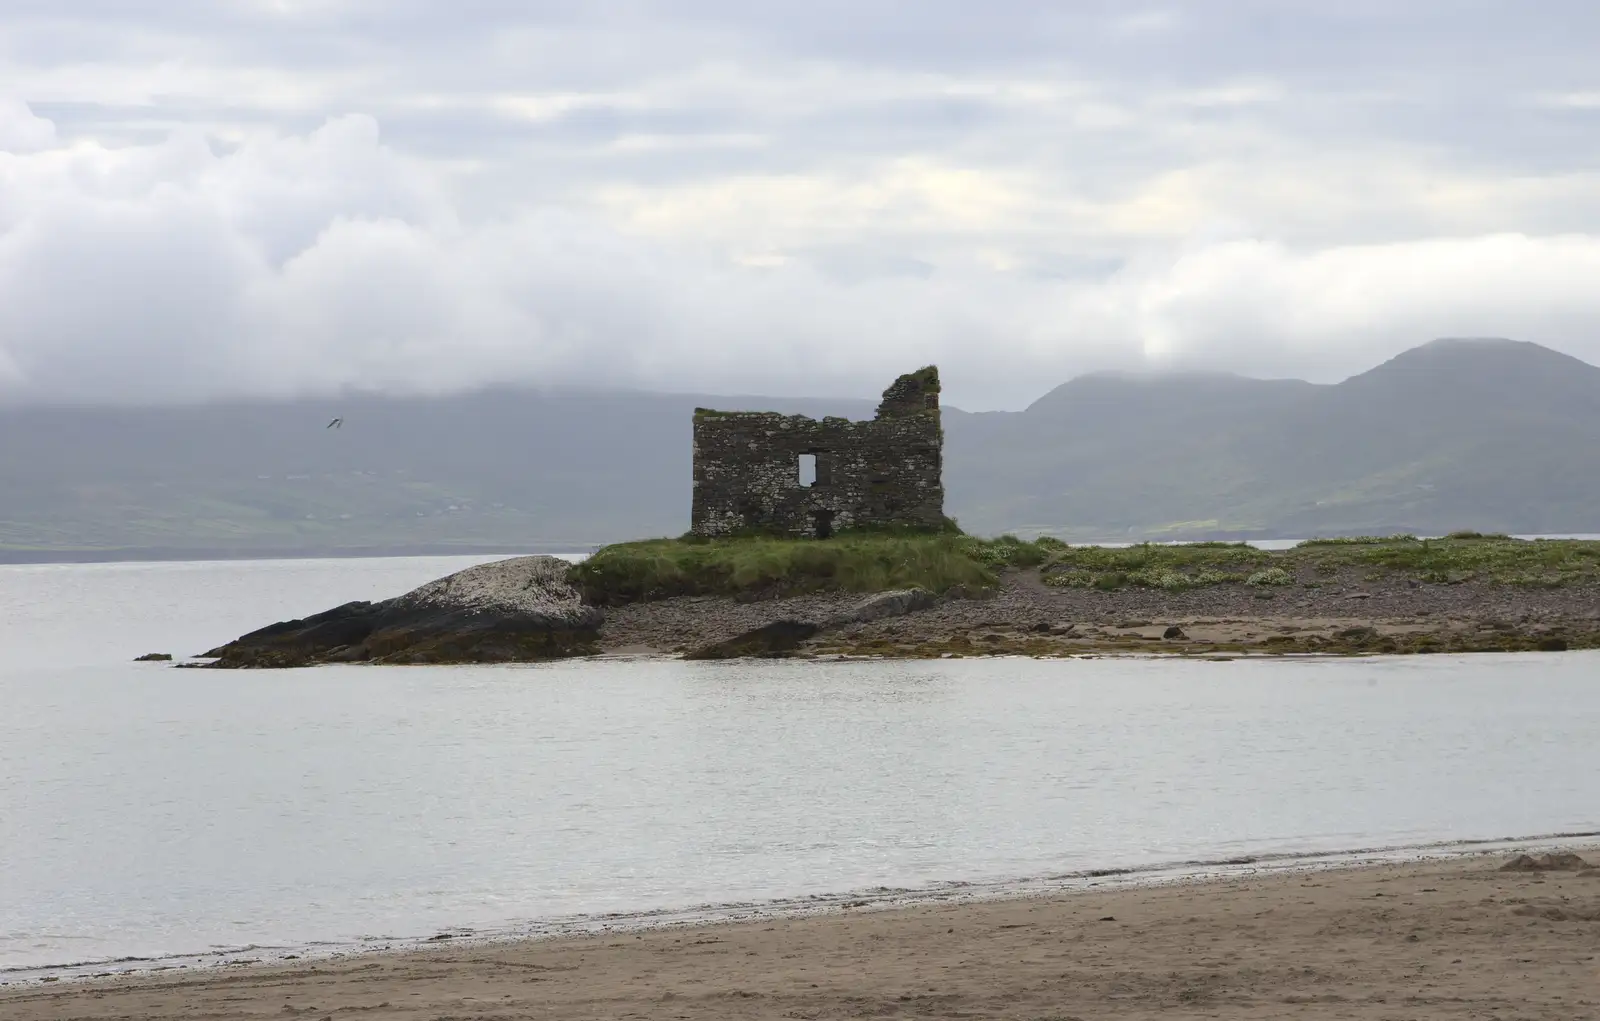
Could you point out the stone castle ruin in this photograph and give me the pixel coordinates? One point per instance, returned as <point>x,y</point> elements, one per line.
<point>763,472</point>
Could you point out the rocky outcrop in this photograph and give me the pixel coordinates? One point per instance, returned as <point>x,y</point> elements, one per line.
<point>897,603</point>
<point>516,610</point>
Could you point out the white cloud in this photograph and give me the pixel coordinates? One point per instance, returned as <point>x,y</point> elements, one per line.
<point>1249,303</point>
<point>1145,23</point>
<point>313,263</point>
<point>780,196</point>
<point>21,131</point>
<point>1572,100</point>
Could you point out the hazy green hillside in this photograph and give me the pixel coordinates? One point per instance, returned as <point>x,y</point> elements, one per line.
<point>1491,435</point>
<point>506,470</point>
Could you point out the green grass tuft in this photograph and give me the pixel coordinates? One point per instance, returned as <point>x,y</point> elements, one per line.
<point>661,568</point>
<point>756,567</point>
<point>1271,576</point>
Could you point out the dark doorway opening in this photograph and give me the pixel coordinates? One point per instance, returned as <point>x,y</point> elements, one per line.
<point>822,523</point>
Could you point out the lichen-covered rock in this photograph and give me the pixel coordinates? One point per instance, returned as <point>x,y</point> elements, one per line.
<point>897,603</point>
<point>533,586</point>
<point>514,610</point>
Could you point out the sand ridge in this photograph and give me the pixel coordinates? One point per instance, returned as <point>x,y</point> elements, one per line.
<point>1456,938</point>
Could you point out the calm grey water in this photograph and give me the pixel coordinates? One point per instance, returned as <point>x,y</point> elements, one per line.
<point>146,810</point>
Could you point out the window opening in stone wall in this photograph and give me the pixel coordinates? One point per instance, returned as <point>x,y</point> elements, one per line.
<point>808,470</point>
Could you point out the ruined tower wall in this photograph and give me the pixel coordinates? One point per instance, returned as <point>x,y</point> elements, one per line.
<point>885,472</point>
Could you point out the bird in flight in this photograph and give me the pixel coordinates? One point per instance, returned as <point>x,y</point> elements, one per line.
<point>335,424</point>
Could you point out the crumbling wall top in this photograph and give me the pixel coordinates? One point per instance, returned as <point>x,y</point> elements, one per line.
<point>911,393</point>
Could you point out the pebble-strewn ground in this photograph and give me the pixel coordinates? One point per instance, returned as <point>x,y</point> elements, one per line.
<point>1349,612</point>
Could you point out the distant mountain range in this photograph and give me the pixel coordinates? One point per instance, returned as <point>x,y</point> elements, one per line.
<point>1485,434</point>
<point>1494,435</point>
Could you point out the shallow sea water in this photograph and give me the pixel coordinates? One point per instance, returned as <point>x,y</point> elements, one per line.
<point>148,811</point>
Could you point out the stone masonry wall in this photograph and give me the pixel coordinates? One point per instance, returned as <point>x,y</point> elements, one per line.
<point>883,472</point>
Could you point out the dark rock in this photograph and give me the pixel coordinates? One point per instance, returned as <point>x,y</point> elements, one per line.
<point>779,638</point>
<point>782,637</point>
<point>1552,644</point>
<point>516,610</point>
<point>153,657</point>
<point>1173,632</point>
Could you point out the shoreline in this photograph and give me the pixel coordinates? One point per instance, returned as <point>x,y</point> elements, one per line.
<point>16,557</point>
<point>947,893</point>
<point>1348,615</point>
<point>946,596</point>
<point>1429,934</point>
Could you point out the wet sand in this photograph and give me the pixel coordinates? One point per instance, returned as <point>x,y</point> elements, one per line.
<point>1446,939</point>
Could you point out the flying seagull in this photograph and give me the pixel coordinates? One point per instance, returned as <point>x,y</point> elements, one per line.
<point>335,424</point>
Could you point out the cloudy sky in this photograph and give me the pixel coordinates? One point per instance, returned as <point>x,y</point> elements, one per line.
<point>208,198</point>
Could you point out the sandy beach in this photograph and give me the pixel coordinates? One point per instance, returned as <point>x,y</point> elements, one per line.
<point>1454,938</point>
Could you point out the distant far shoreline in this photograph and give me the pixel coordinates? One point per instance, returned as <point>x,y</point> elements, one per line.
<point>158,554</point>
<point>171,554</point>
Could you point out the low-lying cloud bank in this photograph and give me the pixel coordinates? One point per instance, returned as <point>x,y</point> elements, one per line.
<point>290,265</point>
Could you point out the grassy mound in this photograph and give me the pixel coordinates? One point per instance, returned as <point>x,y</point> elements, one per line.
<point>1461,557</point>
<point>766,567</point>
<point>760,567</point>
